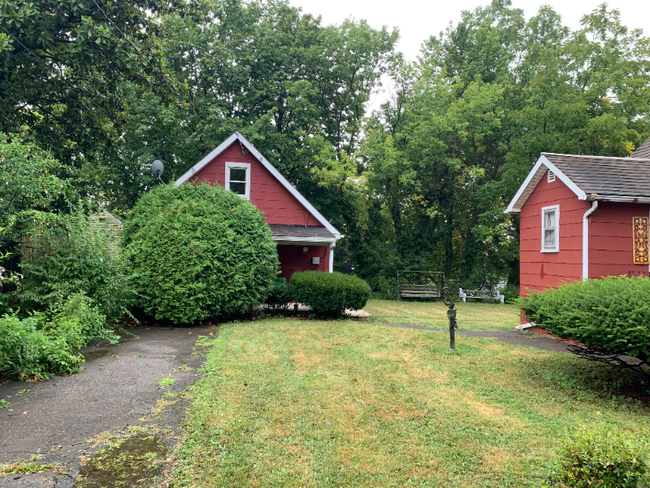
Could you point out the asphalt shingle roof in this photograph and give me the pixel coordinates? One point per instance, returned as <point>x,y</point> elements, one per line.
<point>606,176</point>
<point>643,151</point>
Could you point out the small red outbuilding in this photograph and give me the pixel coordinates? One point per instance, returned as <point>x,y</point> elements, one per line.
<point>305,239</point>
<point>583,217</point>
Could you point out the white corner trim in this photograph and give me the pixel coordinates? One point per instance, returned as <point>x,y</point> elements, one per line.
<point>585,239</point>
<point>295,193</point>
<point>332,246</point>
<point>545,210</point>
<point>247,167</point>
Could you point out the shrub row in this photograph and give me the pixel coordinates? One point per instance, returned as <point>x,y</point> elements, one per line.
<point>328,294</point>
<point>612,313</point>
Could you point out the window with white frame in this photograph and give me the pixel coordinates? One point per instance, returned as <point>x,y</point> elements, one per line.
<point>238,179</point>
<point>551,229</point>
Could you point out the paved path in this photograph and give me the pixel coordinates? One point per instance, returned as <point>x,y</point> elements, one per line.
<point>116,389</point>
<point>516,337</point>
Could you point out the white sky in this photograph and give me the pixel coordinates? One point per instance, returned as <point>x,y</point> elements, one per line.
<point>419,19</point>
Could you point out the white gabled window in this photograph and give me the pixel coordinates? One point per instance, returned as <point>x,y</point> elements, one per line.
<point>551,229</point>
<point>550,176</point>
<point>238,179</point>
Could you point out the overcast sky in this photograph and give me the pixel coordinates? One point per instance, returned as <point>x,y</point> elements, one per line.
<point>419,19</point>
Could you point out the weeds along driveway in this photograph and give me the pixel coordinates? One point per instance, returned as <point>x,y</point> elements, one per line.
<point>117,388</point>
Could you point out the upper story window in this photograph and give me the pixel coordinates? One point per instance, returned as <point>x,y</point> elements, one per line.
<point>550,176</point>
<point>238,179</point>
<point>551,229</point>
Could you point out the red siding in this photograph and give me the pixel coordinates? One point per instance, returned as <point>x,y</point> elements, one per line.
<point>293,259</point>
<point>540,270</point>
<point>610,239</point>
<point>266,193</point>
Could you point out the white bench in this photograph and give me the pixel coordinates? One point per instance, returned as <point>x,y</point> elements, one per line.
<point>481,294</point>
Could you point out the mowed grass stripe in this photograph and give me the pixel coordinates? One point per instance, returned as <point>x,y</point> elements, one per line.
<point>342,403</point>
<point>471,315</point>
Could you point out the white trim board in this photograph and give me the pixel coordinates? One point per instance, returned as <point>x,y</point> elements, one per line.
<point>534,177</point>
<point>236,136</point>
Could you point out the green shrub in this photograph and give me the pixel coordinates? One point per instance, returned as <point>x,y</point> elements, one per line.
<point>278,298</point>
<point>612,313</point>
<point>66,254</point>
<point>595,456</point>
<point>329,294</point>
<point>511,293</point>
<point>383,288</point>
<point>199,252</point>
<point>42,347</point>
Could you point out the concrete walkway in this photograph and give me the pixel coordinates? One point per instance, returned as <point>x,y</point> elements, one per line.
<point>116,389</point>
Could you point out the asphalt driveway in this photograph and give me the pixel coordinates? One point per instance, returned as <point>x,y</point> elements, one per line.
<point>117,389</point>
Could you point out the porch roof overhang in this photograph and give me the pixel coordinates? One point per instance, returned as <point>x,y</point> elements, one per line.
<point>305,235</point>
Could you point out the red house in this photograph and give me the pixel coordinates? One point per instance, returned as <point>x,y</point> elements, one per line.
<point>583,217</point>
<point>304,237</point>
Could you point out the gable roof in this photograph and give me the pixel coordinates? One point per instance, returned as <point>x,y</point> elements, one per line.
<point>643,151</point>
<point>591,178</point>
<point>236,136</point>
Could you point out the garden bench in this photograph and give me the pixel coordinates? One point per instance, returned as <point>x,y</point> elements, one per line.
<point>408,290</point>
<point>482,293</point>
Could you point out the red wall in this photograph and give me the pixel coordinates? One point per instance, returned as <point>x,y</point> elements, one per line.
<point>266,193</point>
<point>293,259</point>
<point>540,270</point>
<point>610,239</point>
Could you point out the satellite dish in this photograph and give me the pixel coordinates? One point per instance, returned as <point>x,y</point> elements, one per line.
<point>157,168</point>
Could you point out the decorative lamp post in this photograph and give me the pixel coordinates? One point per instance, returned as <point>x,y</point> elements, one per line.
<point>451,313</point>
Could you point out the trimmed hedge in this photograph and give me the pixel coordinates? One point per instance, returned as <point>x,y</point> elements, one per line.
<point>199,252</point>
<point>329,294</point>
<point>612,313</point>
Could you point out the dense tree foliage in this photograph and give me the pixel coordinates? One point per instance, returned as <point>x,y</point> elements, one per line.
<point>469,120</point>
<point>107,87</point>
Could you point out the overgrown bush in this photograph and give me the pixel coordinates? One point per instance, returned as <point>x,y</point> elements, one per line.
<point>329,294</point>
<point>199,252</point>
<point>595,456</point>
<point>45,343</point>
<point>612,314</point>
<point>66,254</point>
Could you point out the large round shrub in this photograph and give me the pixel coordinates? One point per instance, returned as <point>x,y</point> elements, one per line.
<point>612,313</point>
<point>199,252</point>
<point>329,294</point>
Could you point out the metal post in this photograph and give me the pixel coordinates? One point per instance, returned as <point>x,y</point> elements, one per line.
<point>451,313</point>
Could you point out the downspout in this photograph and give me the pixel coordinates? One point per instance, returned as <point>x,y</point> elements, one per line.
<point>585,240</point>
<point>332,246</point>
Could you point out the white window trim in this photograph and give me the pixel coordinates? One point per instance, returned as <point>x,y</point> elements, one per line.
<point>546,210</point>
<point>245,166</point>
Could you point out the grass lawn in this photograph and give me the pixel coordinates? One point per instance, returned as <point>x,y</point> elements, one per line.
<point>297,403</point>
<point>470,316</point>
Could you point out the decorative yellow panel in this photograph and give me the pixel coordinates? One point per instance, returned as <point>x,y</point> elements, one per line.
<point>640,233</point>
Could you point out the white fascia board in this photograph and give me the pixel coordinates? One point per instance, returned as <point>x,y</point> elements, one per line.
<point>565,179</point>
<point>318,241</point>
<point>295,193</point>
<point>201,164</point>
<point>515,205</point>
